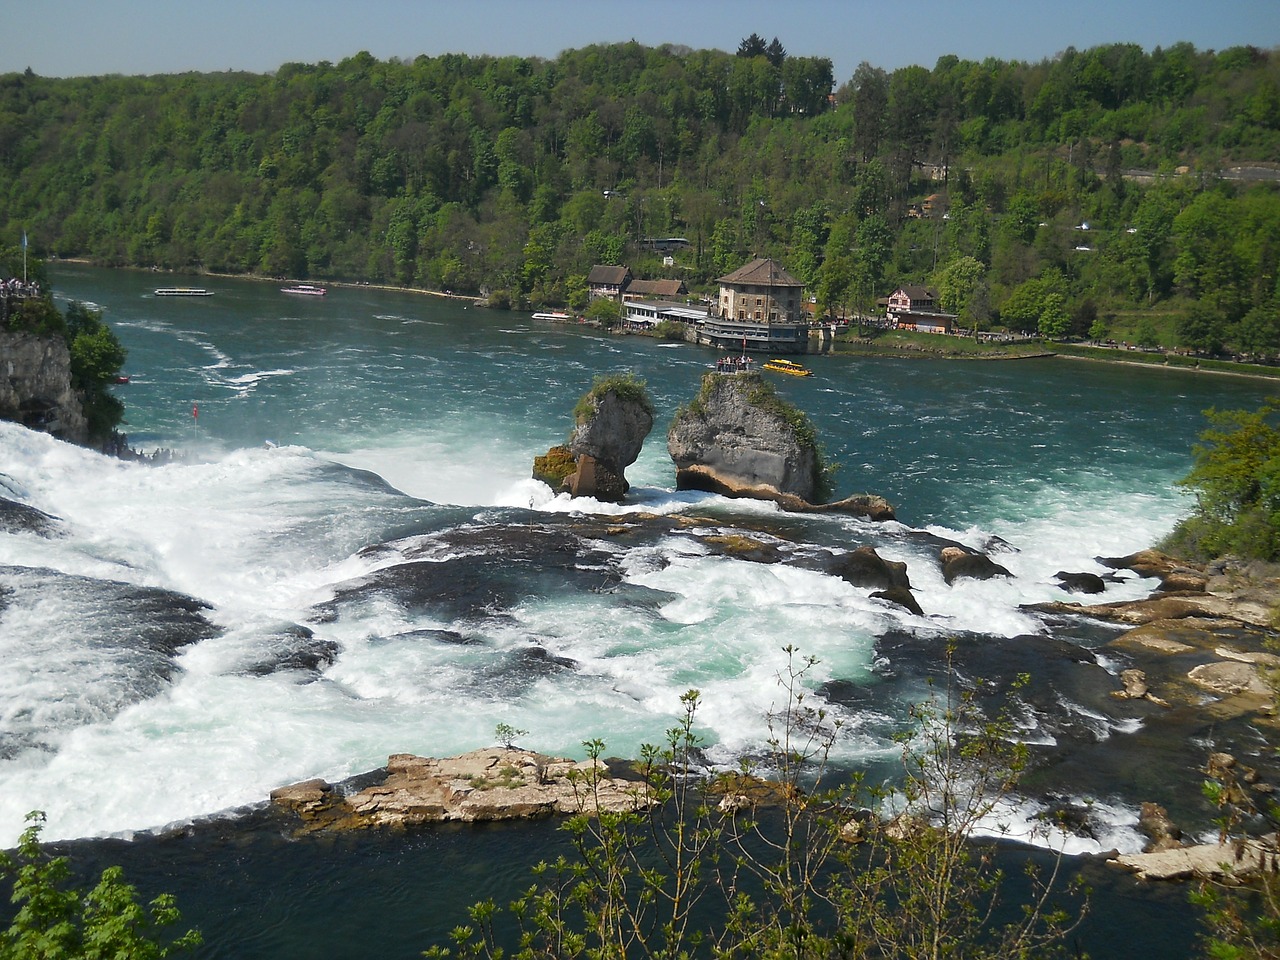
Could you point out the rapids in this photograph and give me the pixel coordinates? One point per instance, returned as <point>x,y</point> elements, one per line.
<point>347,557</point>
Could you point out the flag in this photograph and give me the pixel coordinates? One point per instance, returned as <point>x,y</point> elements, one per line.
<point>24,239</point>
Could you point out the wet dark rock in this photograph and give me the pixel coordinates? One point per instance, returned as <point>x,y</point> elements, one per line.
<point>1071,816</point>
<point>863,567</point>
<point>994,544</point>
<point>1173,574</point>
<point>958,563</point>
<point>742,547</point>
<point>438,636</point>
<point>20,518</point>
<point>902,596</point>
<point>499,567</point>
<point>844,692</point>
<point>293,647</point>
<point>539,658</point>
<point>122,651</point>
<point>1081,582</point>
<point>161,620</point>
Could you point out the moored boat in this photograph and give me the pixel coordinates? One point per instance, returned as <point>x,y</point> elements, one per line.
<point>183,292</point>
<point>787,366</point>
<point>305,289</point>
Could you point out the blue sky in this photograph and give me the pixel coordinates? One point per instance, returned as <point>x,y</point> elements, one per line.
<point>60,38</point>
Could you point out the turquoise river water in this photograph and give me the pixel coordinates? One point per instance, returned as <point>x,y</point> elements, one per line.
<point>198,632</point>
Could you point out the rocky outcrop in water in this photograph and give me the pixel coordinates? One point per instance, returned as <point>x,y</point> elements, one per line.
<point>737,438</point>
<point>35,386</point>
<point>961,564</point>
<point>1080,582</point>
<point>20,517</point>
<point>612,421</point>
<point>495,783</point>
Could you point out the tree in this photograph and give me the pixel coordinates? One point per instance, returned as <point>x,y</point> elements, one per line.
<point>1054,320</point>
<point>1201,329</point>
<point>752,46</point>
<point>870,109</point>
<point>1028,301</point>
<point>96,359</point>
<point>873,247</point>
<point>56,922</point>
<point>775,53</point>
<point>1258,331</point>
<point>957,282</point>
<point>1146,335</point>
<point>604,311</point>
<point>1236,481</point>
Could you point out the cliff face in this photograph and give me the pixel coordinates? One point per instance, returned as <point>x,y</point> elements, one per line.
<point>727,442</point>
<point>35,386</point>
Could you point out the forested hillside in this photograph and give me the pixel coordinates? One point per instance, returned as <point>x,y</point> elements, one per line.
<point>1074,194</point>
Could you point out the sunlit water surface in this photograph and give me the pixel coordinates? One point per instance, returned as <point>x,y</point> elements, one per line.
<point>192,634</point>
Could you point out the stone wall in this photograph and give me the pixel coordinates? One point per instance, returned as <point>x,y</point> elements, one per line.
<point>35,386</point>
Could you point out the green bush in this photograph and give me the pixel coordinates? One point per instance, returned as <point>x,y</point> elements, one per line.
<point>1236,482</point>
<point>627,386</point>
<point>55,922</point>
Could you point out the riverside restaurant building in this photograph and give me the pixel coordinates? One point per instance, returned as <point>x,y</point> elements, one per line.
<point>759,309</point>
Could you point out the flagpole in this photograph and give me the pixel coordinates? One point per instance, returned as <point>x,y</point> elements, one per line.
<point>24,256</point>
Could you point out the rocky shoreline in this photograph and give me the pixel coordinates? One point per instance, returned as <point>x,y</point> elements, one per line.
<point>1201,645</point>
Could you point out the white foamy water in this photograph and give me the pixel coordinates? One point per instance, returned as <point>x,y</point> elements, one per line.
<point>126,708</point>
<point>262,535</point>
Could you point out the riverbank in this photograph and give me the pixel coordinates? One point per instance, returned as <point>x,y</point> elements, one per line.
<point>942,346</point>
<point>887,343</point>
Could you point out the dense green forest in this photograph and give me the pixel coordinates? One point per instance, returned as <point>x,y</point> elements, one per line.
<point>1096,193</point>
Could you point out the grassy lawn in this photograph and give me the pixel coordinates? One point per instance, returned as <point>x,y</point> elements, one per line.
<point>886,343</point>
<point>898,342</point>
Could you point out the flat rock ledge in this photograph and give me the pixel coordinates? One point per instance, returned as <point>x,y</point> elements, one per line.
<point>495,783</point>
<point>1233,861</point>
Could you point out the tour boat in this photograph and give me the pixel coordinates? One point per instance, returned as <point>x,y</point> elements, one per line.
<point>562,317</point>
<point>305,289</point>
<point>787,366</point>
<point>183,292</point>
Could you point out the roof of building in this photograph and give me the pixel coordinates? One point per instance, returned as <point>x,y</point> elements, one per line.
<point>657,288</point>
<point>762,272</point>
<point>608,275</point>
<point>919,292</point>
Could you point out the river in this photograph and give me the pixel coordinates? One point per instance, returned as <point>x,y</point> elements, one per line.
<point>197,632</point>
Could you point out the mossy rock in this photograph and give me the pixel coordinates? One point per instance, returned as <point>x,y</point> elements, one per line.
<point>554,466</point>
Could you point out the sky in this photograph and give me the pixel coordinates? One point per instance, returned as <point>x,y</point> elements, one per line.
<point>62,38</point>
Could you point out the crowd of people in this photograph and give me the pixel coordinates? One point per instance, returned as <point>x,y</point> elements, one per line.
<point>13,287</point>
